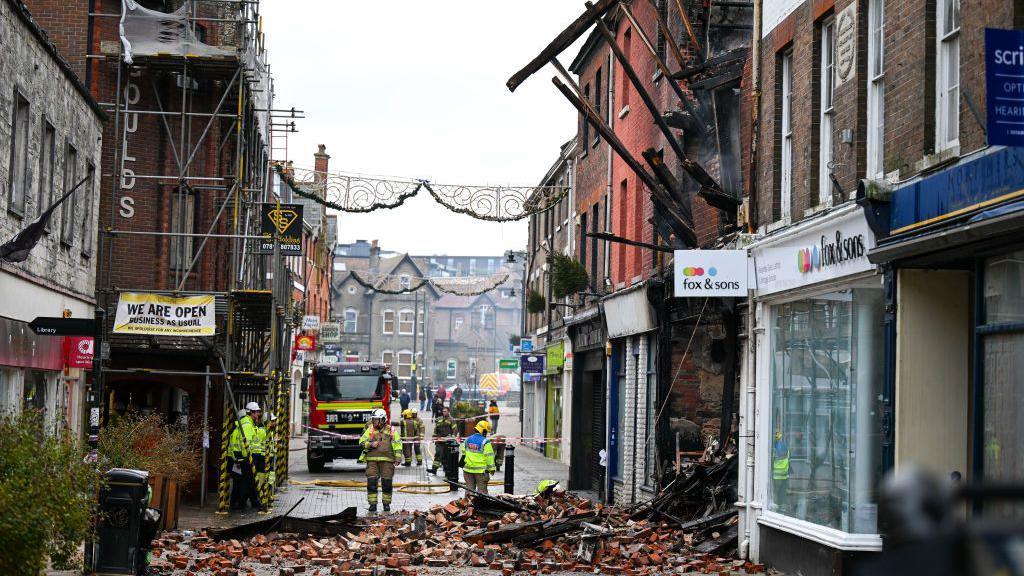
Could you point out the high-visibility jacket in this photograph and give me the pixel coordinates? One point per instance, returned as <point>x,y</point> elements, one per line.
<point>444,427</point>
<point>780,461</point>
<point>259,446</point>
<point>478,453</point>
<point>412,428</point>
<point>375,443</point>
<point>243,437</point>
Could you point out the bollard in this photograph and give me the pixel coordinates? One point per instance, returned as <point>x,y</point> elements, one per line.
<point>510,469</point>
<point>451,466</point>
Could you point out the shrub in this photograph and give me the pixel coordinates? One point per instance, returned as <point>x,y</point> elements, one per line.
<point>465,409</point>
<point>535,303</point>
<point>147,443</point>
<point>47,495</point>
<point>568,276</point>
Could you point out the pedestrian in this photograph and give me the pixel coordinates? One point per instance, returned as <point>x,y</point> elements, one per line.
<point>248,455</point>
<point>412,431</point>
<point>430,399</point>
<point>457,394</point>
<point>382,447</point>
<point>477,459</point>
<point>436,406</point>
<point>444,430</point>
<point>404,399</point>
<point>493,413</point>
<point>421,395</point>
<point>441,393</point>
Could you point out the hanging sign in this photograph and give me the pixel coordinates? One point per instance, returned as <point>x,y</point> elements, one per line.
<point>1004,91</point>
<point>707,273</point>
<point>526,345</point>
<point>531,363</point>
<point>330,333</point>
<point>162,315</point>
<point>285,220</point>
<point>311,322</point>
<point>555,357</point>
<point>78,351</point>
<point>508,364</point>
<point>305,342</point>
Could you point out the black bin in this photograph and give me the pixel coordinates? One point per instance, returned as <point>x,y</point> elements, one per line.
<point>126,526</point>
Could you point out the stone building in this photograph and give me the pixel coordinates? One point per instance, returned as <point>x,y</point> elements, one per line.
<point>51,132</point>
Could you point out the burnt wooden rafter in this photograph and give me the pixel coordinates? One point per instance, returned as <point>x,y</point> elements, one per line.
<point>561,42</point>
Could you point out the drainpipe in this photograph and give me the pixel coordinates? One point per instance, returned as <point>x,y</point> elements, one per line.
<point>608,182</point>
<point>755,118</point>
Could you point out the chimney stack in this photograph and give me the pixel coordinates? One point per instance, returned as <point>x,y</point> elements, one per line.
<point>320,160</point>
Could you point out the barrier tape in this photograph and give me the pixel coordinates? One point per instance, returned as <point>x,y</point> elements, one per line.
<point>507,439</point>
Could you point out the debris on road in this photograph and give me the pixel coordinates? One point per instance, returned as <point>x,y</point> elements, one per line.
<point>510,534</point>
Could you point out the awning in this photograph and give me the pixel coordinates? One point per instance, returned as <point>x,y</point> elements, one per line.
<point>993,227</point>
<point>628,312</point>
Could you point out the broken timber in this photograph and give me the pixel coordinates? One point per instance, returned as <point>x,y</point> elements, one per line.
<point>331,525</point>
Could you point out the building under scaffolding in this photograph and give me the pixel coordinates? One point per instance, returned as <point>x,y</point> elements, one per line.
<point>186,166</point>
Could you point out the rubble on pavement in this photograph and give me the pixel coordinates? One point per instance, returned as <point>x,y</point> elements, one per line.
<point>525,534</point>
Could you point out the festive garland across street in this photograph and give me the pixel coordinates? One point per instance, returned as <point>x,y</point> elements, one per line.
<point>459,286</point>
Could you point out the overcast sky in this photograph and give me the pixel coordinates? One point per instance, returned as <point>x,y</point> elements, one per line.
<point>417,88</point>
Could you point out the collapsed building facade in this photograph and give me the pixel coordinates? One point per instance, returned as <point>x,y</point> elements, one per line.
<point>651,379</point>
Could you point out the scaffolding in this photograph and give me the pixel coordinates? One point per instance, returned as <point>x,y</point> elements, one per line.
<point>208,106</point>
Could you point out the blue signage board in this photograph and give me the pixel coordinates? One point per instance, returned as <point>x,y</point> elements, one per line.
<point>1004,79</point>
<point>526,345</point>
<point>995,175</point>
<point>531,363</point>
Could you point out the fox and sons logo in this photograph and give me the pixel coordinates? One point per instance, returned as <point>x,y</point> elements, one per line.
<point>710,273</point>
<point>829,253</point>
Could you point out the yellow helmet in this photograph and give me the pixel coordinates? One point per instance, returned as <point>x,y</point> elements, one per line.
<point>407,413</point>
<point>483,427</point>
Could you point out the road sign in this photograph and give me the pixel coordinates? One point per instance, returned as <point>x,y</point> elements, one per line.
<point>509,364</point>
<point>54,326</point>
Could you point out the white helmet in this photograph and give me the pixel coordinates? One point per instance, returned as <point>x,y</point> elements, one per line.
<point>252,407</point>
<point>243,412</point>
<point>379,414</point>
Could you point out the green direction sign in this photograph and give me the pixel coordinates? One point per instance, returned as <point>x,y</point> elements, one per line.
<point>509,364</point>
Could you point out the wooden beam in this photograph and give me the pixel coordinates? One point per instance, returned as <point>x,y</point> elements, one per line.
<point>736,54</point>
<point>609,237</point>
<point>561,42</point>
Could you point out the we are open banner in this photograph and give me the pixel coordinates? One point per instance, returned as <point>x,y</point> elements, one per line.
<point>162,315</point>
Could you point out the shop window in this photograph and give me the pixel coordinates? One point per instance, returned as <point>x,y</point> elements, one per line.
<point>825,436</point>
<point>1003,376</point>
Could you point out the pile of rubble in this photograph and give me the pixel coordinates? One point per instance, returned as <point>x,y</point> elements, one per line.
<point>559,532</point>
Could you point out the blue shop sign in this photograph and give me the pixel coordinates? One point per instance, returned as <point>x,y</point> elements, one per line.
<point>531,363</point>
<point>995,176</point>
<point>1004,79</point>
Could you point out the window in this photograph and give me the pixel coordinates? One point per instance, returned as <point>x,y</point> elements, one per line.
<point>183,211</point>
<point>47,165</point>
<point>88,217</point>
<point>1003,378</point>
<point>405,364</point>
<point>620,422</point>
<point>826,414</point>
<point>451,370</point>
<point>472,266</point>
<point>826,84</point>
<point>876,89</point>
<point>388,321</point>
<point>947,75</point>
<point>404,282</point>
<point>387,357</point>
<point>586,134</point>
<point>598,101</point>
<point>18,182</point>
<point>67,209</point>
<point>458,323</point>
<point>405,326</point>
<point>484,309</point>
<point>583,237</point>
<point>627,49</point>
<point>351,321</point>
<point>419,320</point>
<point>786,132</point>
<point>595,212</point>
<point>662,8</point>
<point>492,265</point>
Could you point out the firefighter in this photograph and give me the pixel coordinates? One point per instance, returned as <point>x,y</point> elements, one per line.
<point>382,447</point>
<point>412,431</point>
<point>444,428</point>
<point>245,442</point>
<point>477,458</point>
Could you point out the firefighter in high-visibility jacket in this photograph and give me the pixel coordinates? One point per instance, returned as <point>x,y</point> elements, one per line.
<point>382,447</point>
<point>246,441</point>
<point>412,434</point>
<point>780,470</point>
<point>477,458</point>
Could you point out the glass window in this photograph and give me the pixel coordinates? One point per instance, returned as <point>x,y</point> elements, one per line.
<point>405,364</point>
<point>827,55</point>
<point>388,323</point>
<point>404,282</point>
<point>458,322</point>
<point>47,164</point>
<point>18,172</point>
<point>826,437</point>
<point>88,217</point>
<point>387,357</point>
<point>331,388</point>
<point>876,89</point>
<point>947,74</point>
<point>351,321</point>
<point>405,322</point>
<point>1004,288</point>
<point>451,369</point>
<point>786,179</point>
<point>183,211</point>
<point>67,209</point>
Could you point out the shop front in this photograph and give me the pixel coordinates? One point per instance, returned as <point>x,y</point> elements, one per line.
<point>956,253</point>
<point>589,428</point>
<point>554,367</point>
<point>818,371</point>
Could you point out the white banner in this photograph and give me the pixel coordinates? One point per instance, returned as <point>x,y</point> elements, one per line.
<point>162,315</point>
<point>704,273</point>
<point>311,322</point>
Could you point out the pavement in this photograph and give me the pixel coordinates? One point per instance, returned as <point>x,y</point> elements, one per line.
<point>415,487</point>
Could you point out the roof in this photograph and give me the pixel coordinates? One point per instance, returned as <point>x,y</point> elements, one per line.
<point>23,13</point>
